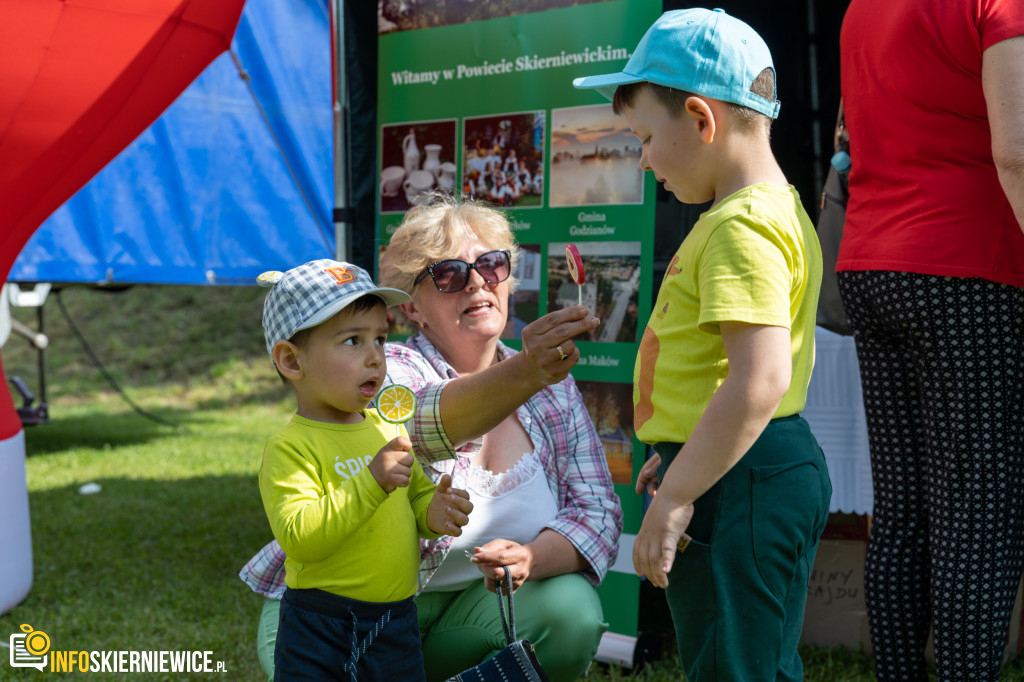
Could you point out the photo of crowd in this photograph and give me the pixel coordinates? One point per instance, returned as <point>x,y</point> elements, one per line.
<point>504,159</point>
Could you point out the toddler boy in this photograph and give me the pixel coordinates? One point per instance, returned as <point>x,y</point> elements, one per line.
<point>346,500</point>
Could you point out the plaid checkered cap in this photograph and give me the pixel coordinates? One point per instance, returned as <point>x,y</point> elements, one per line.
<point>312,293</point>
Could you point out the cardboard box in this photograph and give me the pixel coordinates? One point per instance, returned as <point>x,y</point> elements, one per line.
<point>836,613</point>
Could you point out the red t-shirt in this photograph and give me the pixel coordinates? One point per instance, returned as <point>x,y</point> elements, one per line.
<point>924,193</point>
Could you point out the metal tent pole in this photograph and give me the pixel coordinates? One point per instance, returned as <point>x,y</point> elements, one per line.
<point>812,61</point>
<point>342,188</point>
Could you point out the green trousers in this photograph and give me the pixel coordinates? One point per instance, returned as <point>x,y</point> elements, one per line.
<point>561,616</point>
<point>737,593</point>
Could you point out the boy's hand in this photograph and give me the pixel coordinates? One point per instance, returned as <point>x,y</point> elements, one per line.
<point>654,550</point>
<point>392,465</point>
<point>647,479</point>
<point>449,508</point>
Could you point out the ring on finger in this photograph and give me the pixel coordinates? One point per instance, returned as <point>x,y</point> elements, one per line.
<point>561,353</point>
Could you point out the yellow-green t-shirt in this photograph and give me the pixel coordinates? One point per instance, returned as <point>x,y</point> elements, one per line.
<point>754,257</point>
<point>339,530</point>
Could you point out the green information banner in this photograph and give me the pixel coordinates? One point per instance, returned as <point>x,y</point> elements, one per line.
<point>485,107</point>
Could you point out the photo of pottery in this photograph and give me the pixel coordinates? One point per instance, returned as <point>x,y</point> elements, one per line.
<point>503,159</point>
<point>610,406</point>
<point>595,159</point>
<point>611,288</point>
<point>416,159</point>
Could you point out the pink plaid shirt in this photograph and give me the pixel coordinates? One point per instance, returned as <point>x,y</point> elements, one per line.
<point>566,442</point>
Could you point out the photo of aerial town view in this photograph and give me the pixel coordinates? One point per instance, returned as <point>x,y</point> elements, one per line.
<point>594,158</point>
<point>524,303</point>
<point>610,406</point>
<point>610,288</point>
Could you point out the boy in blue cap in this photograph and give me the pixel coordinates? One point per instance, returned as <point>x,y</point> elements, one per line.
<point>345,497</point>
<point>726,358</point>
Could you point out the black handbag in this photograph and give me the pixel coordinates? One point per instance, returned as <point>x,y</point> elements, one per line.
<point>831,314</point>
<point>517,662</point>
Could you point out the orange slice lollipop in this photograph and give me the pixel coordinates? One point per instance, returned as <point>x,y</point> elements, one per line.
<point>396,403</point>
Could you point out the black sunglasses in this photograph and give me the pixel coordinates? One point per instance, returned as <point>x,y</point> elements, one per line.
<point>452,275</point>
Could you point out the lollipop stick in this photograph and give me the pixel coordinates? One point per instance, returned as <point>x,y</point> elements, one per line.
<point>579,289</point>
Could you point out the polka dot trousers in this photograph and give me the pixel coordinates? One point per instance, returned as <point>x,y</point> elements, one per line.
<point>942,368</point>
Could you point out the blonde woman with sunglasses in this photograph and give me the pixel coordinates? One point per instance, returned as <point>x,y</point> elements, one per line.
<point>511,428</point>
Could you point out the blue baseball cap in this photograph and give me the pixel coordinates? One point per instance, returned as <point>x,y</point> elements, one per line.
<point>312,293</point>
<point>706,52</point>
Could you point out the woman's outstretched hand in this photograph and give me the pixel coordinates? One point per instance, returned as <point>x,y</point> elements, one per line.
<point>548,351</point>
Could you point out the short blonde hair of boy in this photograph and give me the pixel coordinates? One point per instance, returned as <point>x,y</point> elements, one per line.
<point>438,230</point>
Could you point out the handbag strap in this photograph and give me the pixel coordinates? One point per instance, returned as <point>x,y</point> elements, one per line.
<point>841,137</point>
<point>509,624</point>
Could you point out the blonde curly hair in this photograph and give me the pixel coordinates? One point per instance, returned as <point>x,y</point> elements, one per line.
<point>437,230</point>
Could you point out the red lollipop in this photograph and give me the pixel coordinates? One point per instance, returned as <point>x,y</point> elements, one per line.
<point>575,262</point>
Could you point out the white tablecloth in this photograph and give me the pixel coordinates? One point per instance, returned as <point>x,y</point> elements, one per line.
<point>835,412</point>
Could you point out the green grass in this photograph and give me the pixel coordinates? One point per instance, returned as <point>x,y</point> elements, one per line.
<point>151,561</point>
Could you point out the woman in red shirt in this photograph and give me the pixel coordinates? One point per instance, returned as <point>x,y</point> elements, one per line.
<point>931,269</point>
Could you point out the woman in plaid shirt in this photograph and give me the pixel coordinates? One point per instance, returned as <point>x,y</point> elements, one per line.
<point>512,429</point>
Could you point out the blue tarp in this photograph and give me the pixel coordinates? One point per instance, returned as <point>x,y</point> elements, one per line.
<point>207,194</point>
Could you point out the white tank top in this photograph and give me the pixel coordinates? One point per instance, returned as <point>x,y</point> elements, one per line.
<point>515,505</point>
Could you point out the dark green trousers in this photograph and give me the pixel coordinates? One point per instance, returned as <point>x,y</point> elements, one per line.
<point>737,593</point>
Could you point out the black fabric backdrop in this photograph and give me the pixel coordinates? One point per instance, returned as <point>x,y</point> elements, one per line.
<point>802,34</point>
